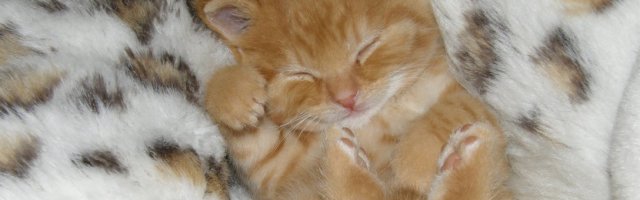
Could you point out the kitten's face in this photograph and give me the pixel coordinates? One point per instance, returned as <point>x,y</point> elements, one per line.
<point>328,61</point>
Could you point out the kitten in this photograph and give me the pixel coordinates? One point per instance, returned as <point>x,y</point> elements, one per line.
<point>373,66</point>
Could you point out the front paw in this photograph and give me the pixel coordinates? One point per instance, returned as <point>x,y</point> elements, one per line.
<point>236,97</point>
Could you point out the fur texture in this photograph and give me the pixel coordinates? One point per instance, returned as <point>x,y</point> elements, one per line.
<point>556,78</point>
<point>625,147</point>
<point>358,64</point>
<point>99,100</point>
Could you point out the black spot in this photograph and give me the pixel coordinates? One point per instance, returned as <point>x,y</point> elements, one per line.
<point>234,175</point>
<point>191,84</point>
<point>217,169</point>
<point>162,149</point>
<point>153,72</point>
<point>52,6</point>
<point>140,15</point>
<point>531,122</point>
<point>101,159</point>
<point>20,159</point>
<point>194,16</point>
<point>96,95</point>
<point>217,173</point>
<point>560,57</point>
<point>477,59</point>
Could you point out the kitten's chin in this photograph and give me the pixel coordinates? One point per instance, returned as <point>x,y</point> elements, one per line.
<point>358,119</point>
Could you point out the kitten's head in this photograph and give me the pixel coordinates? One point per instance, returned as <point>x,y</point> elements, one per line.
<point>327,61</point>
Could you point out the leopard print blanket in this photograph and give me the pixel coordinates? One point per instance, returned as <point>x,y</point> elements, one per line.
<point>99,99</point>
<point>563,77</point>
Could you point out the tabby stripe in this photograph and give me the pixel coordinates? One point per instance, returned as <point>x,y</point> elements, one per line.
<point>291,166</point>
<point>269,156</point>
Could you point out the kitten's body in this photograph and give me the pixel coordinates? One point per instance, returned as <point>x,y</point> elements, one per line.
<point>375,67</point>
<point>402,143</point>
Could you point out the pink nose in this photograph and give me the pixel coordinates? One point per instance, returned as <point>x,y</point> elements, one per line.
<point>347,101</point>
<point>343,90</point>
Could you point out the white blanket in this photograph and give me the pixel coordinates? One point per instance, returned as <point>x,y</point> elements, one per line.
<point>562,76</point>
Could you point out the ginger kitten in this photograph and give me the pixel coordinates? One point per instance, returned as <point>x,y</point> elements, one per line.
<point>373,66</point>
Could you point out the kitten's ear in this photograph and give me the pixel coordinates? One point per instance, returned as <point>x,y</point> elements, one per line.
<point>229,18</point>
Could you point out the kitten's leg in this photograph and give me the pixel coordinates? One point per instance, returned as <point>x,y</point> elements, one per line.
<point>347,172</point>
<point>235,97</point>
<point>472,166</point>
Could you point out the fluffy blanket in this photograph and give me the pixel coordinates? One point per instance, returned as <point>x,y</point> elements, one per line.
<point>94,94</point>
<point>99,99</point>
<point>563,77</point>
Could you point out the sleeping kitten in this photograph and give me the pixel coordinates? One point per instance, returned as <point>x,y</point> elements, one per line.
<point>373,66</point>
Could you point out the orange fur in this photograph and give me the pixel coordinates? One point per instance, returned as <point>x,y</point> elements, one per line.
<point>374,66</point>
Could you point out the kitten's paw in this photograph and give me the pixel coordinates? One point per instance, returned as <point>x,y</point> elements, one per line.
<point>236,98</point>
<point>472,165</point>
<point>350,147</point>
<point>244,109</point>
<point>463,145</point>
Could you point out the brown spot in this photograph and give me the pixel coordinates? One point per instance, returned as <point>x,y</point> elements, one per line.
<point>25,89</point>
<point>138,14</point>
<point>168,72</point>
<point>477,58</point>
<point>52,6</point>
<point>16,154</point>
<point>96,95</point>
<point>560,60</point>
<point>217,175</point>
<point>101,159</point>
<point>179,162</point>
<point>10,45</point>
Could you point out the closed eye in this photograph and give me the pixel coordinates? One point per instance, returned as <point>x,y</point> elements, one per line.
<point>366,50</point>
<point>300,76</point>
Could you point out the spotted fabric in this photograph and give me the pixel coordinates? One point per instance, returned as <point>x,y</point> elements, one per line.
<point>559,74</point>
<point>100,99</point>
